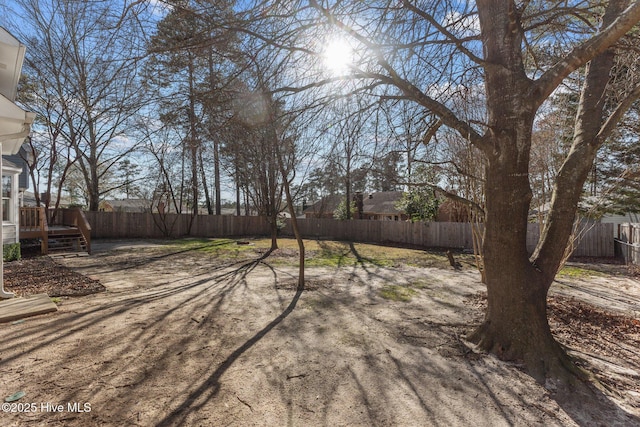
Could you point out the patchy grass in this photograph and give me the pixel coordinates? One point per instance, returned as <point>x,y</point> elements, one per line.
<point>397,293</point>
<point>340,254</point>
<point>322,253</point>
<point>220,248</point>
<point>329,253</point>
<point>420,284</point>
<point>343,254</point>
<point>404,292</point>
<point>578,272</point>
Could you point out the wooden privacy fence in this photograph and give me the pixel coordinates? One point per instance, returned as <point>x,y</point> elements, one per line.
<point>627,245</point>
<point>121,225</point>
<point>428,234</point>
<point>596,239</point>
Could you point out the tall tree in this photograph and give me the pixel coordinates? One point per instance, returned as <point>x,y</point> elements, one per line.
<point>615,177</point>
<point>352,147</point>
<point>424,53</point>
<point>192,65</point>
<point>260,161</point>
<point>385,175</point>
<point>84,59</point>
<point>161,145</point>
<point>128,174</point>
<point>321,182</point>
<point>176,67</point>
<point>51,154</point>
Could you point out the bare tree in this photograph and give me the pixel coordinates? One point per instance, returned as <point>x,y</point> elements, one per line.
<point>353,144</point>
<point>261,168</point>
<point>51,156</point>
<point>422,53</point>
<point>166,171</point>
<point>84,59</point>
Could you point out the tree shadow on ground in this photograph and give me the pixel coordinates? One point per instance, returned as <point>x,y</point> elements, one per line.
<point>83,320</point>
<point>142,260</point>
<point>380,364</point>
<point>129,340</point>
<point>587,406</point>
<point>211,386</point>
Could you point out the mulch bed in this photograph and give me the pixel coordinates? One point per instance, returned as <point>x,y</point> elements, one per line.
<point>587,329</point>
<point>43,275</point>
<point>611,337</point>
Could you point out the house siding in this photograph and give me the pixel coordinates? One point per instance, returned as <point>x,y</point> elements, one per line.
<point>23,177</point>
<point>9,234</point>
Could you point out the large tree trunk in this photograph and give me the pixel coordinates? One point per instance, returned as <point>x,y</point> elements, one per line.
<point>216,145</point>
<point>273,223</point>
<point>194,179</point>
<point>515,327</point>
<point>238,196</point>
<point>94,186</point>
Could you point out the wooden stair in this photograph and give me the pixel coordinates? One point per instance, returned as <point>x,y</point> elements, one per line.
<point>70,232</point>
<point>67,241</point>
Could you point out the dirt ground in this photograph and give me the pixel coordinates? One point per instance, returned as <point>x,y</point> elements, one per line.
<point>184,337</point>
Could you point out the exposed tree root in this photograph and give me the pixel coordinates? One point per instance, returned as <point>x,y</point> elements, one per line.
<point>547,362</point>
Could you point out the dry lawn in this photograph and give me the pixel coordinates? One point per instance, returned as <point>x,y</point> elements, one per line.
<point>198,333</point>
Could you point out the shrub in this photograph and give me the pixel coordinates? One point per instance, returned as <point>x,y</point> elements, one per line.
<point>11,252</point>
<point>341,211</point>
<point>419,204</point>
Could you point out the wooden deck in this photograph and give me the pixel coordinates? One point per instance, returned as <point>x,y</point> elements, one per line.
<point>69,230</point>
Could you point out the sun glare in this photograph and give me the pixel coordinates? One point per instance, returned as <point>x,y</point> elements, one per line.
<point>337,56</point>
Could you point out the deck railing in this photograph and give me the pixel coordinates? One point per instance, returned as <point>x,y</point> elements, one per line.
<point>73,217</point>
<point>32,219</point>
<point>84,227</point>
<point>34,224</point>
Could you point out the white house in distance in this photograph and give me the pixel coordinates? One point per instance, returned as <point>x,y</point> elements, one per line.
<point>15,125</point>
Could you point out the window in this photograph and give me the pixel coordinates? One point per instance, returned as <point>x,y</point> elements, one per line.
<point>6,198</point>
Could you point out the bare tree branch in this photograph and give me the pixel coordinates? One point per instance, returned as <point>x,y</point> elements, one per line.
<point>583,53</point>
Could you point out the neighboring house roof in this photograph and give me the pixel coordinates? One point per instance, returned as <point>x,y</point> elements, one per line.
<point>128,205</point>
<point>223,211</point>
<point>29,199</point>
<point>325,206</point>
<point>227,211</point>
<point>382,202</point>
